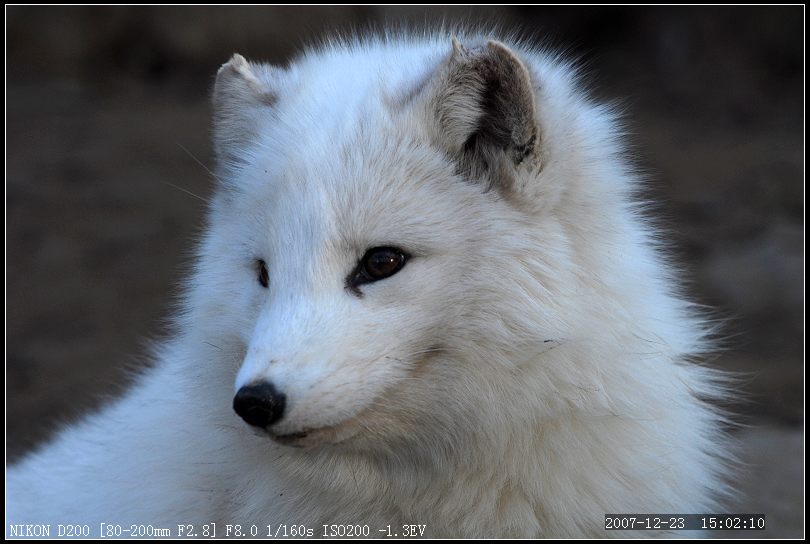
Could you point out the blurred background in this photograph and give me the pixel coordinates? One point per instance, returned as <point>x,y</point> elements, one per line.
<point>107,110</point>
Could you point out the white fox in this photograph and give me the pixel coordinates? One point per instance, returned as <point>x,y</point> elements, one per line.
<point>425,295</point>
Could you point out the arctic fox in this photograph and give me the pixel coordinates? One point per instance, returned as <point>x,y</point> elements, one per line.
<point>426,296</point>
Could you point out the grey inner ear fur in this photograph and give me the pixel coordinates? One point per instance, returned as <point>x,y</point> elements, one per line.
<point>242,95</point>
<point>487,100</point>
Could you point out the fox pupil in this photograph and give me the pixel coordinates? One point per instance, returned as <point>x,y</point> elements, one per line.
<point>383,262</point>
<point>378,263</point>
<point>263,276</point>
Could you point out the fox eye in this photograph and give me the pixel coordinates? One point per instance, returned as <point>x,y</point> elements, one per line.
<point>263,277</point>
<point>378,263</point>
<point>381,262</point>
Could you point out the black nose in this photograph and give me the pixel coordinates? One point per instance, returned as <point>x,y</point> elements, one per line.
<point>259,404</point>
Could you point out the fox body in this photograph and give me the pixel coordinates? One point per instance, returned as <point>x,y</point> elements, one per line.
<point>427,282</point>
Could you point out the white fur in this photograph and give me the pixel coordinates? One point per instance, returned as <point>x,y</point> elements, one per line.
<point>528,371</point>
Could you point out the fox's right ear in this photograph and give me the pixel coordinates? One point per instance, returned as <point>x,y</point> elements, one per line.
<point>243,97</point>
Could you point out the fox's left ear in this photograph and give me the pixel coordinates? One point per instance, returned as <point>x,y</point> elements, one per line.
<point>243,96</point>
<point>484,110</point>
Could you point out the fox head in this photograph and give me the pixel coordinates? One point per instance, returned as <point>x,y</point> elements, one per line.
<point>387,257</point>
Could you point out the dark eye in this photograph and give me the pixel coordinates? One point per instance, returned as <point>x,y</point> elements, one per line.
<point>378,263</point>
<point>263,277</point>
<point>381,262</point>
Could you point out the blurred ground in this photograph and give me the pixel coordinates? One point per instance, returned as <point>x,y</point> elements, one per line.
<point>106,107</point>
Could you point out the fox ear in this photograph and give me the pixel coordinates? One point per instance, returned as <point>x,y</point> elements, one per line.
<point>242,97</point>
<point>485,108</point>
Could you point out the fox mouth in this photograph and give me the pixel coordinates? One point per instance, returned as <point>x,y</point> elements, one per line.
<point>343,431</point>
<point>307,438</point>
<point>292,439</point>
<point>328,435</point>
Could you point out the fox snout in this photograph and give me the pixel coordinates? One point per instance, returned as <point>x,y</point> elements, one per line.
<point>259,404</point>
